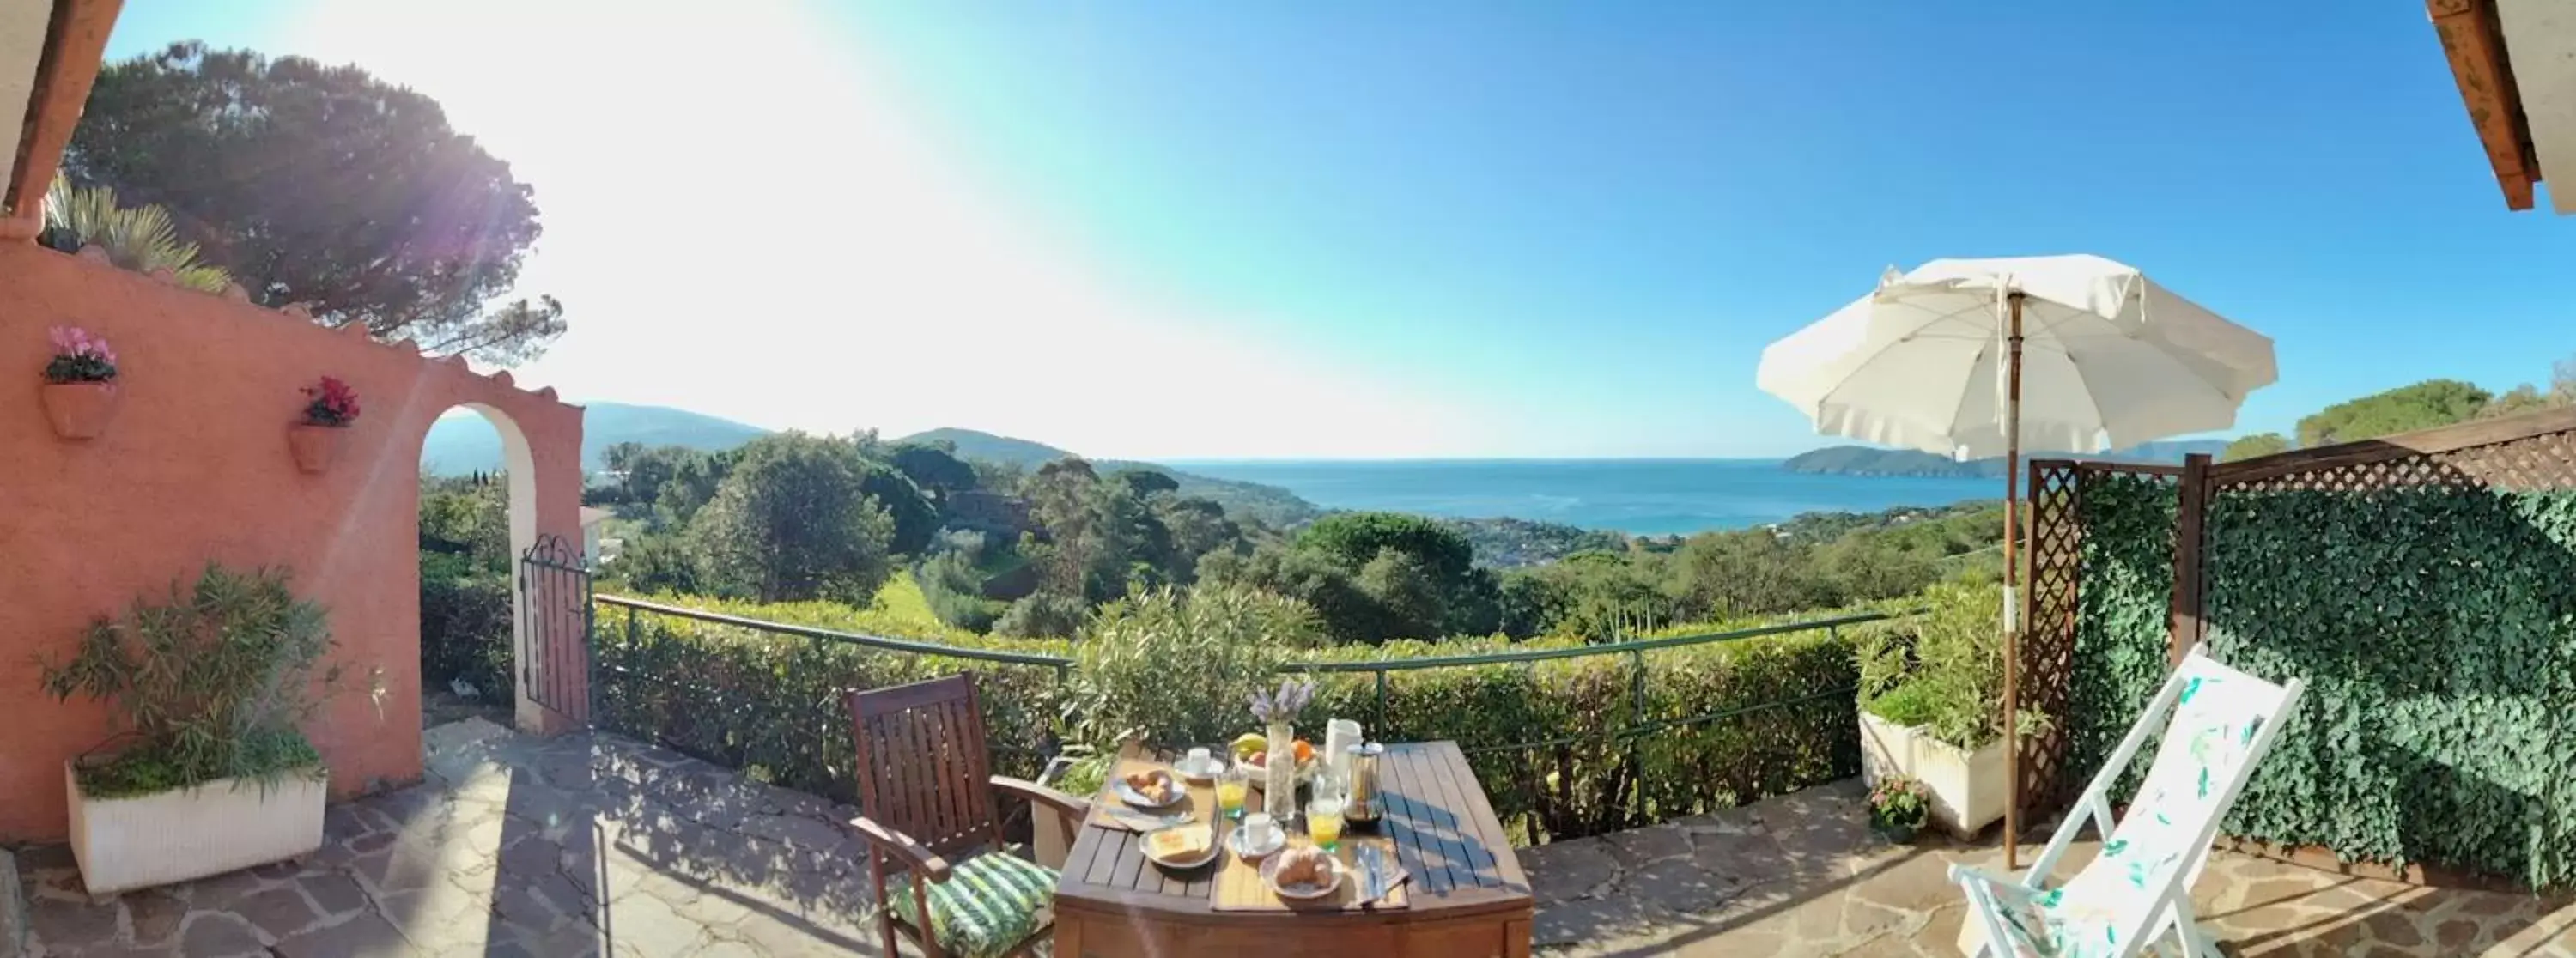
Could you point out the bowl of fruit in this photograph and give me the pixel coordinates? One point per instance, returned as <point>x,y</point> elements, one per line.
<point>1253,752</point>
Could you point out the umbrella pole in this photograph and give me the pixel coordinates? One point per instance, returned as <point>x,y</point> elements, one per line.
<point>2012,566</point>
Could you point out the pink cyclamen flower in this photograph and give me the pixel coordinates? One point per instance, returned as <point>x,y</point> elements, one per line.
<point>75,341</point>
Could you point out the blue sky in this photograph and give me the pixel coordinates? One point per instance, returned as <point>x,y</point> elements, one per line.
<point>1435,228</point>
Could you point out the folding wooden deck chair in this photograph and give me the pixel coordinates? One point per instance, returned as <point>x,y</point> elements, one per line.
<point>2135,898</point>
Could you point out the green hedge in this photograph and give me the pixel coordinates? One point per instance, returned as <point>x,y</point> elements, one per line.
<point>465,626</point>
<point>773,704</point>
<point>2436,630</point>
<point>2123,619</point>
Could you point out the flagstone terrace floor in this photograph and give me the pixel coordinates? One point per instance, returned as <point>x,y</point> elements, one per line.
<point>593,844</point>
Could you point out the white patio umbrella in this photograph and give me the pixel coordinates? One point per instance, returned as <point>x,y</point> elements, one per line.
<point>1974,358</point>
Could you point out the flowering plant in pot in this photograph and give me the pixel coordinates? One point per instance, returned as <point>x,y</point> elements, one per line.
<point>330,408</point>
<point>210,686</point>
<point>1897,807</point>
<point>79,395</point>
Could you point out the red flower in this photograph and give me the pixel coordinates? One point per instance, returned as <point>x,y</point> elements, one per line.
<point>330,403</point>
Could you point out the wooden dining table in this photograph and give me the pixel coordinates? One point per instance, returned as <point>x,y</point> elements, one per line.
<point>1467,896</point>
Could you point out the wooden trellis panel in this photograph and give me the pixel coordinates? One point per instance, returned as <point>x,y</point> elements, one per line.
<point>2520,453</point>
<point>2047,647</point>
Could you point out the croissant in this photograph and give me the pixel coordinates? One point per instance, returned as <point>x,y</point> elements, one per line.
<point>1305,866</point>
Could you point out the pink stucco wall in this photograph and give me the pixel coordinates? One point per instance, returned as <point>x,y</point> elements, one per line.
<point>196,469</point>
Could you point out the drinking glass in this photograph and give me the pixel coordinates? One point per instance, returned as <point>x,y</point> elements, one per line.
<point>1324,821</point>
<point>1231,785</point>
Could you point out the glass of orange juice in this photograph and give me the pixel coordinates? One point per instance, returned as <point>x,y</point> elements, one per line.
<point>1231,785</point>
<point>1324,821</point>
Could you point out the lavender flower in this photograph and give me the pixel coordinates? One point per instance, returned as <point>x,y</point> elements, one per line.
<point>1282,706</point>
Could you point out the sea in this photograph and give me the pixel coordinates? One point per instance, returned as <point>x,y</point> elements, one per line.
<point>1637,496</point>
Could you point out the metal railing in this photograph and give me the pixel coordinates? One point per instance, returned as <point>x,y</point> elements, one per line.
<point>1628,734</point>
<point>1635,649</point>
<point>1061,664</point>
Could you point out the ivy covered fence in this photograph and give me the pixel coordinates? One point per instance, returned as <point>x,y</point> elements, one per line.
<point>2424,586</point>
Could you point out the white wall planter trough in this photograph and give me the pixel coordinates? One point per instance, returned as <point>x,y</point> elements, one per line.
<point>174,836</point>
<point>1967,787</point>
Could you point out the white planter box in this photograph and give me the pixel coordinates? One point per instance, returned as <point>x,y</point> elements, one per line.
<point>174,836</point>
<point>1967,787</point>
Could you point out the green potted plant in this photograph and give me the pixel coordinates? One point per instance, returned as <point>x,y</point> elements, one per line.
<point>330,408</point>
<point>1897,807</point>
<point>79,395</point>
<point>1931,705</point>
<point>212,772</point>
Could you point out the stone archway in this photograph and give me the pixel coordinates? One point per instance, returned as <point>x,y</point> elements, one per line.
<point>549,622</point>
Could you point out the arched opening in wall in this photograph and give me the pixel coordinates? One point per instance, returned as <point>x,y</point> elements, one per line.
<point>477,519</point>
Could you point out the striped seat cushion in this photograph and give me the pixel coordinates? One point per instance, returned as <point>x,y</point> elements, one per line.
<point>989,903</point>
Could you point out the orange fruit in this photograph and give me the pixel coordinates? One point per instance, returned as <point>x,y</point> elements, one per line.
<point>1305,752</point>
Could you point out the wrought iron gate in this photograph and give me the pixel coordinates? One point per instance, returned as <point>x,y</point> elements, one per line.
<point>554,603</point>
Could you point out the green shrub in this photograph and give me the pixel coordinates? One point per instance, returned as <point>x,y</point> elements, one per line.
<point>1728,722</point>
<point>1943,669</point>
<point>465,627</point>
<point>1178,668</point>
<point>210,685</point>
<point>1043,614</point>
<point>752,699</point>
<point>954,591</point>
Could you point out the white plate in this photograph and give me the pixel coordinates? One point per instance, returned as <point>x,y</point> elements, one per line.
<point>1181,863</point>
<point>1270,869</point>
<point>1128,793</point>
<point>1235,840</point>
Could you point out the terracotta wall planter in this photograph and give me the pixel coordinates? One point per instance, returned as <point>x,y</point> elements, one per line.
<point>80,410</point>
<point>315,447</point>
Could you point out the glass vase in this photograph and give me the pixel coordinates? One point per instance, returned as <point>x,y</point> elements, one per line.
<point>1279,777</point>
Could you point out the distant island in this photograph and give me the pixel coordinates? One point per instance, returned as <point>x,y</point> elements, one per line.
<point>1869,461</point>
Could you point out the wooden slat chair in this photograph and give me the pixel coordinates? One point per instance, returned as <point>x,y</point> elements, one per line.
<point>930,814</point>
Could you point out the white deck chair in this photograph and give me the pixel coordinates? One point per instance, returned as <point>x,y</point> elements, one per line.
<point>2135,898</point>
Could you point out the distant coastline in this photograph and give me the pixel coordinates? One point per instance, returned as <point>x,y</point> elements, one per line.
<point>1867,461</point>
<point>1638,497</point>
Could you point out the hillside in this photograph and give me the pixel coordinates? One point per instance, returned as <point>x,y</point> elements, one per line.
<point>1507,543</point>
<point>464,443</point>
<point>1868,461</point>
<point>1270,505</point>
<point>972,444</point>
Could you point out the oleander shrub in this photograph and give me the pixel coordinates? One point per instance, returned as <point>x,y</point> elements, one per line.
<point>1943,669</point>
<point>1178,667</point>
<point>213,680</point>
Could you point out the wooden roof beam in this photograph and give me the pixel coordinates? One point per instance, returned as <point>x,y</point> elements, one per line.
<point>74,45</point>
<point>2473,40</point>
